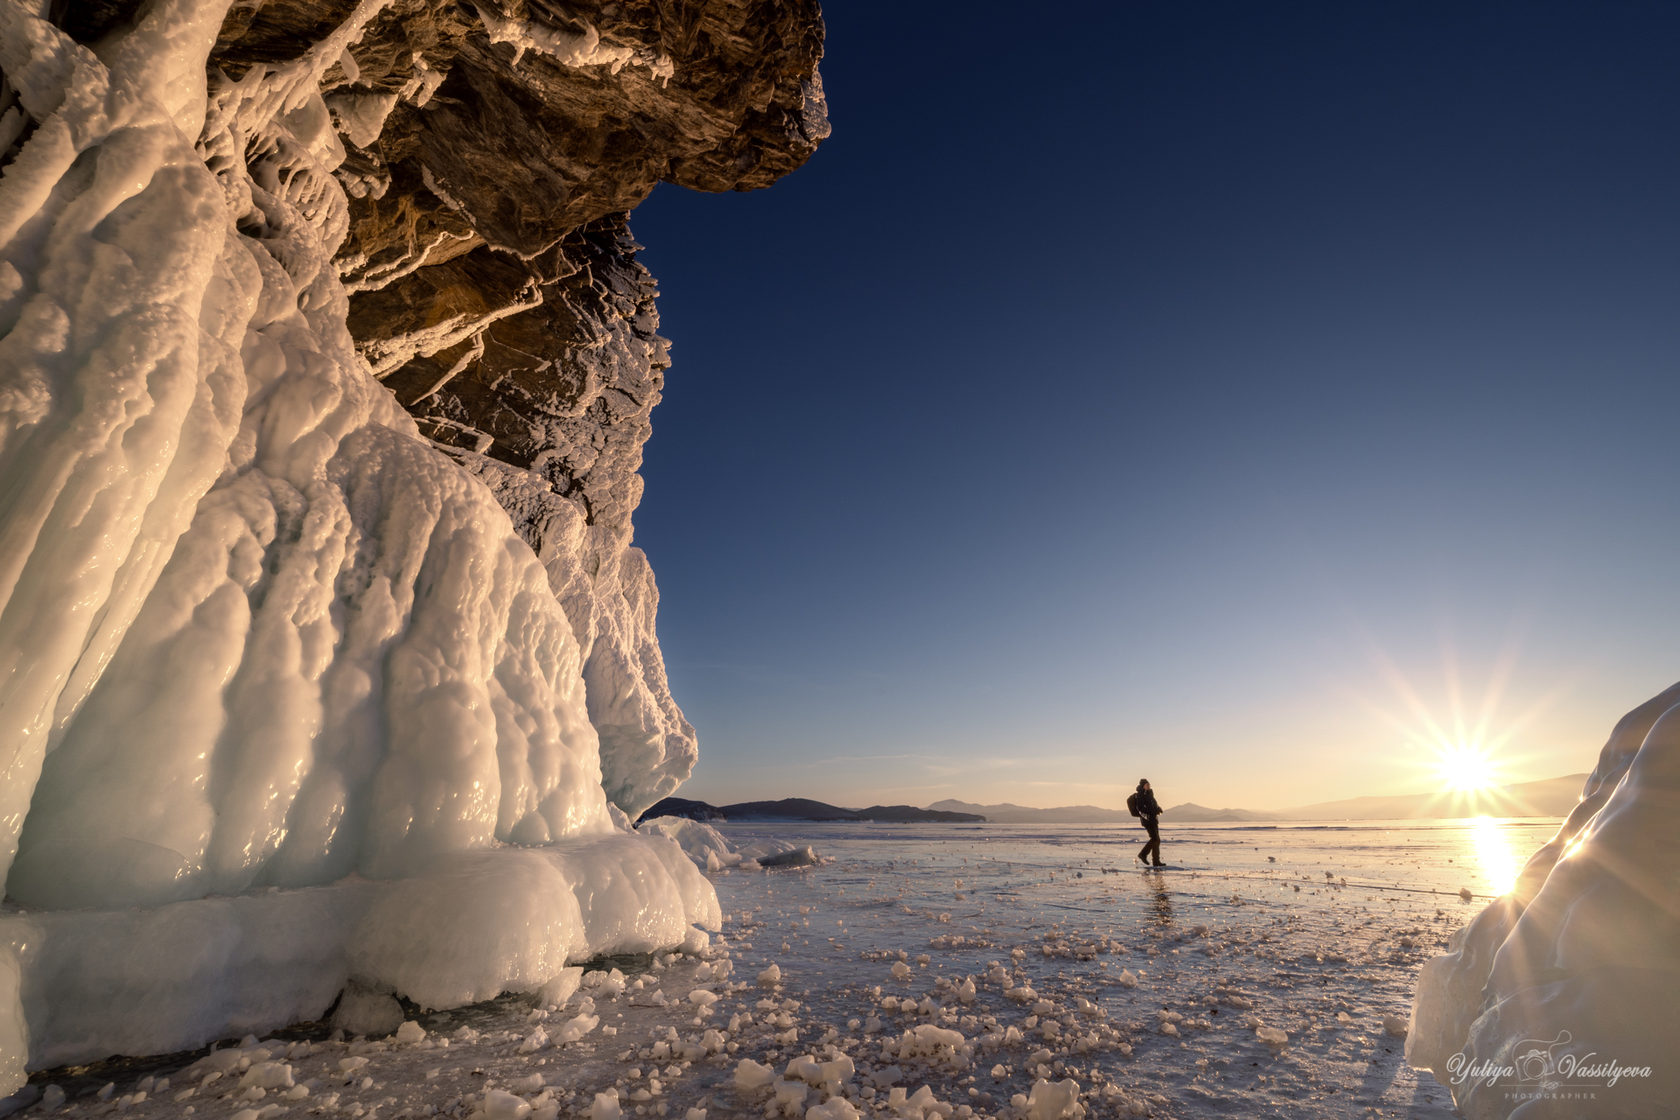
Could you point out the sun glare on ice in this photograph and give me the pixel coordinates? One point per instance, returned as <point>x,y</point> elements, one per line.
<point>1491,847</point>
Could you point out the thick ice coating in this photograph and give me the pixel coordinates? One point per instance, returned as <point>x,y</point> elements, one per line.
<point>256,631</point>
<point>1566,986</point>
<point>272,636</point>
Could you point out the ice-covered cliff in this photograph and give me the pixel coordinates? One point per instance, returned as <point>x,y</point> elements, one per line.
<point>325,368</point>
<point>1562,998</point>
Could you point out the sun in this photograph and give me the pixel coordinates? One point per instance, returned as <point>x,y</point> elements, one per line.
<point>1467,767</point>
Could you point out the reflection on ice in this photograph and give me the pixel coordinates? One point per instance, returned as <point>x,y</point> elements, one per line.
<point>1498,858</point>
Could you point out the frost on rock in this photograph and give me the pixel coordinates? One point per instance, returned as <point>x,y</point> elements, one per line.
<point>1567,984</point>
<point>292,701</point>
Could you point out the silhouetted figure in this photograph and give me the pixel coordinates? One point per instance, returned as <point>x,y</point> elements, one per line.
<point>1148,811</point>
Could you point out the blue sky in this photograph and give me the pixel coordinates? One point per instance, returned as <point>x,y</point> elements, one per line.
<point>1242,396</point>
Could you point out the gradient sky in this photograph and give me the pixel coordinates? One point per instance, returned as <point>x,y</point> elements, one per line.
<point>1242,396</point>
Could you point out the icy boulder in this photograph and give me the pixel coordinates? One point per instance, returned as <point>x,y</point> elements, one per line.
<point>1560,999</point>
<point>702,843</point>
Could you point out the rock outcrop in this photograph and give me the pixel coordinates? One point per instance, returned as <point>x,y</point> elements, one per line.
<point>325,368</point>
<point>490,152</point>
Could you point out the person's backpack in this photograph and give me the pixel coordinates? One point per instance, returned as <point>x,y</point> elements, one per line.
<point>1132,805</point>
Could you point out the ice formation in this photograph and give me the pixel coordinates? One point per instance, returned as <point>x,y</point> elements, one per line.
<point>710,851</point>
<point>1566,985</point>
<point>293,705</point>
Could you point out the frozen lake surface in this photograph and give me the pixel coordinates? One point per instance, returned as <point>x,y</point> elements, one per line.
<point>1290,927</point>
<point>1268,972</point>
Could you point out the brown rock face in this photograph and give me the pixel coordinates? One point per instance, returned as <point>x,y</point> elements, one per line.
<point>511,129</point>
<point>485,140</point>
<point>491,151</point>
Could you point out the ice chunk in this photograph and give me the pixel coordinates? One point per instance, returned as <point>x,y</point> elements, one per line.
<point>1053,1101</point>
<point>704,844</point>
<point>790,1095</point>
<point>562,987</point>
<point>575,1028</point>
<point>920,1104</point>
<point>934,1044</point>
<point>502,1105</point>
<point>835,1108</point>
<point>750,1075</point>
<point>366,1011</point>
<point>805,1068</point>
<point>778,853</point>
<point>838,1070</point>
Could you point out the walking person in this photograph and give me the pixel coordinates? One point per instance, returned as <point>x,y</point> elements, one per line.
<point>1144,806</point>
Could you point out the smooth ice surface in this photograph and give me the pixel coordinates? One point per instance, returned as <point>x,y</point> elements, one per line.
<point>1559,998</point>
<point>254,631</point>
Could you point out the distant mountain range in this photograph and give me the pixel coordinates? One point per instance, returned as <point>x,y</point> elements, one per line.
<point>1551,797</point>
<point>801,809</point>
<point>1008,813</point>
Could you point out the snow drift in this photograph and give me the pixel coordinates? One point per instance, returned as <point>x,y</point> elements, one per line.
<point>1559,999</point>
<point>290,702</point>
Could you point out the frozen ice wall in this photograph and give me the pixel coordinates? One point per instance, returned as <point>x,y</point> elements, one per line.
<point>263,635</point>
<point>1563,997</point>
<point>290,701</point>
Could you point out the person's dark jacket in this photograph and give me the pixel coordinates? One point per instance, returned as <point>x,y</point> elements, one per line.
<point>1148,807</point>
